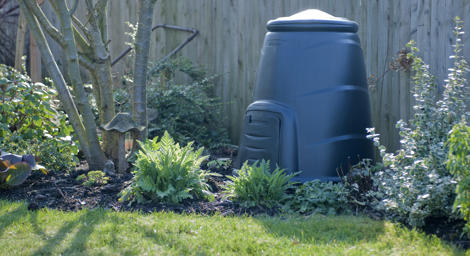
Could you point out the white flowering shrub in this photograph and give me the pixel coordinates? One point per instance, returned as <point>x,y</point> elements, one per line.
<point>415,184</point>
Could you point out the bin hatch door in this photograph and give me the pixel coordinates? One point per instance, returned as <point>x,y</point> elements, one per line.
<point>260,137</point>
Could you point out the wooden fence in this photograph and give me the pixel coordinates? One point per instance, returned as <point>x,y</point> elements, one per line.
<point>232,32</point>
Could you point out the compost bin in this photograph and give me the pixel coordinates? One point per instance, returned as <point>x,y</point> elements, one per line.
<point>311,102</point>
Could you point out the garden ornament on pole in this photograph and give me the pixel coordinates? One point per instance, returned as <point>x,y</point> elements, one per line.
<point>120,125</point>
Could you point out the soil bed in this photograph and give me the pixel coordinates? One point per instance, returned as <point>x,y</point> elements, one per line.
<point>60,190</point>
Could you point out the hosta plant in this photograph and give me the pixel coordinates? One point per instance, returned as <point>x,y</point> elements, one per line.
<point>256,184</point>
<point>415,183</point>
<point>459,165</point>
<point>166,172</point>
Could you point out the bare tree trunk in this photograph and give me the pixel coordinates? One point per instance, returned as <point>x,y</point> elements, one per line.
<point>105,83</point>
<point>102,69</point>
<point>142,46</point>
<point>97,94</point>
<point>59,82</point>
<point>20,41</point>
<point>34,61</point>
<point>86,44</point>
<point>81,97</point>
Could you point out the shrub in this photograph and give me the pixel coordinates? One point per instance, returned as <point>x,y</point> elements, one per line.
<point>256,184</point>
<point>188,111</point>
<point>415,182</point>
<point>359,182</point>
<point>93,178</point>
<point>220,164</point>
<point>31,122</point>
<point>316,197</point>
<point>459,165</point>
<point>166,172</point>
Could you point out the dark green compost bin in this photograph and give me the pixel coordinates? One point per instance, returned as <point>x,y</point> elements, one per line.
<point>311,103</point>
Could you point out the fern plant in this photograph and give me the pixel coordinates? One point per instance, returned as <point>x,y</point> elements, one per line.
<point>256,185</point>
<point>166,172</point>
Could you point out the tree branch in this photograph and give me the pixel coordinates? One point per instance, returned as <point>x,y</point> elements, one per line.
<point>86,51</point>
<point>194,32</point>
<point>81,98</point>
<point>59,82</point>
<point>85,62</point>
<point>44,21</point>
<point>74,8</point>
<point>97,43</point>
<point>82,27</point>
<point>82,44</point>
<point>103,20</point>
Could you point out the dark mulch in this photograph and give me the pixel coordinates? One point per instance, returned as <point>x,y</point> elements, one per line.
<point>60,190</point>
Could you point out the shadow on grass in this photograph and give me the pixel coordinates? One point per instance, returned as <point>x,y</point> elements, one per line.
<point>11,217</point>
<point>324,229</point>
<point>86,224</point>
<point>160,238</point>
<point>33,218</point>
<point>349,230</point>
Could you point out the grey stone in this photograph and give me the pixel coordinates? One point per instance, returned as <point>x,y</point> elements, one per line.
<point>109,168</point>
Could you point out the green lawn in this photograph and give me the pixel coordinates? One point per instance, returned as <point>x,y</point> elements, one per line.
<point>103,232</point>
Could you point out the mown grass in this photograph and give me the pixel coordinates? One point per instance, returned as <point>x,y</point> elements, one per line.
<point>103,232</point>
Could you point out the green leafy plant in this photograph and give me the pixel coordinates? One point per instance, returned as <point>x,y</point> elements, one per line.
<point>459,165</point>
<point>31,121</point>
<point>415,183</point>
<point>187,110</point>
<point>166,172</point>
<point>93,178</point>
<point>359,182</point>
<point>224,164</point>
<point>13,174</point>
<point>256,185</point>
<point>317,197</point>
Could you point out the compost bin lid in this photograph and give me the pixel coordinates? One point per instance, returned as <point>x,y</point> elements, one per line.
<point>312,20</point>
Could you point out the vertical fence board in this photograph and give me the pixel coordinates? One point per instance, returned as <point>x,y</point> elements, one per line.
<point>404,83</point>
